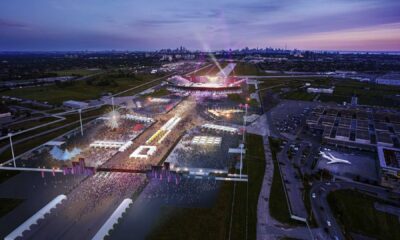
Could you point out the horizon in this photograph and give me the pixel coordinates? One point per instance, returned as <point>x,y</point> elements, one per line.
<point>202,51</point>
<point>321,25</point>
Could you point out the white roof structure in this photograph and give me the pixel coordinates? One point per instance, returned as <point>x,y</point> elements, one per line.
<point>103,118</point>
<point>160,100</point>
<point>206,140</point>
<point>125,146</point>
<point>107,144</point>
<point>55,143</point>
<point>320,90</point>
<point>138,153</point>
<point>237,150</point>
<point>137,118</point>
<point>165,129</point>
<point>33,220</point>
<point>251,118</point>
<point>76,104</point>
<point>171,123</point>
<point>220,128</point>
<point>113,219</point>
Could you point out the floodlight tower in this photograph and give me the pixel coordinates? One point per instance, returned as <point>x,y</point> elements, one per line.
<point>12,149</point>
<point>112,102</point>
<point>80,119</point>
<point>243,139</point>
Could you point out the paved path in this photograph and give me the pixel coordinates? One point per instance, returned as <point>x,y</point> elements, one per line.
<point>267,226</point>
<point>293,185</point>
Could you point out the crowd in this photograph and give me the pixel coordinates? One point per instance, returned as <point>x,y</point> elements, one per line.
<point>184,192</point>
<point>102,185</point>
<point>204,156</point>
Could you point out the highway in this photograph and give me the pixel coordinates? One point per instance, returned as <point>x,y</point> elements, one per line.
<point>321,209</point>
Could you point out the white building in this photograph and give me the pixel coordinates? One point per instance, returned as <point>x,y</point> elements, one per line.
<point>320,90</point>
<point>389,79</point>
<point>75,104</point>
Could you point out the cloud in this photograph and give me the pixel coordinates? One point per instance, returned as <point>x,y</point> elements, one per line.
<point>383,37</point>
<point>4,23</point>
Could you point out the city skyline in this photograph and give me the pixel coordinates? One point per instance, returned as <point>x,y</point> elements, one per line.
<point>124,25</point>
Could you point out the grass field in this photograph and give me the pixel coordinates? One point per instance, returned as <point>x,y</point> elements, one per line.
<point>356,213</point>
<point>8,204</point>
<point>246,69</point>
<point>277,202</point>
<point>77,72</point>
<point>79,90</point>
<point>213,223</point>
<point>299,95</point>
<point>207,70</point>
<point>25,146</point>
<point>30,124</point>
<point>367,93</point>
<point>158,93</point>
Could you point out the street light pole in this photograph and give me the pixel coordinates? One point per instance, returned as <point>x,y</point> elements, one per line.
<point>80,119</point>
<point>243,140</point>
<point>12,149</point>
<point>112,103</point>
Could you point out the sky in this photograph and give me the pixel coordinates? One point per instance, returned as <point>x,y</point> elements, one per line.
<point>353,25</point>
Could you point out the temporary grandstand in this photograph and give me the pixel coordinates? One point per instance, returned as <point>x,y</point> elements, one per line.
<point>137,118</point>
<point>220,128</point>
<point>106,144</point>
<point>206,140</point>
<point>143,152</point>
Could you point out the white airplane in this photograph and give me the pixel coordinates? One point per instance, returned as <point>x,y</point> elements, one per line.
<point>333,159</point>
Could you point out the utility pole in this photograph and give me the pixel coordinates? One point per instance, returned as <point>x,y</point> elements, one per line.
<point>243,140</point>
<point>12,149</point>
<point>80,119</point>
<point>112,102</point>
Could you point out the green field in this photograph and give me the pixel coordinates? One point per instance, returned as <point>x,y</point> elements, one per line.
<point>367,93</point>
<point>80,90</point>
<point>356,213</point>
<point>211,70</point>
<point>206,70</point>
<point>277,202</point>
<point>76,72</point>
<point>214,223</point>
<point>32,123</point>
<point>299,95</point>
<point>158,93</point>
<point>247,69</point>
<point>27,145</point>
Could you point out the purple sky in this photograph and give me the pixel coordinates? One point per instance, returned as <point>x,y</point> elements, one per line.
<point>206,24</point>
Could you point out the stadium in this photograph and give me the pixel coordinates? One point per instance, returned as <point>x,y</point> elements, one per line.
<point>221,83</point>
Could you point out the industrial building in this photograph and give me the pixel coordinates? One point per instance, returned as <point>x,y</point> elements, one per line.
<point>362,128</point>
<point>389,163</point>
<point>389,79</point>
<point>75,104</point>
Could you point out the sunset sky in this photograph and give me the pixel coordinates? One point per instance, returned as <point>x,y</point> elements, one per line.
<point>206,25</point>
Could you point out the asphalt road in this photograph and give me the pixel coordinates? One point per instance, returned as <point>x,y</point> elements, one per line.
<point>321,209</point>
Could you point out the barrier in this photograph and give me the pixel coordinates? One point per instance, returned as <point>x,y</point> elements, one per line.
<point>113,219</point>
<point>18,232</point>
